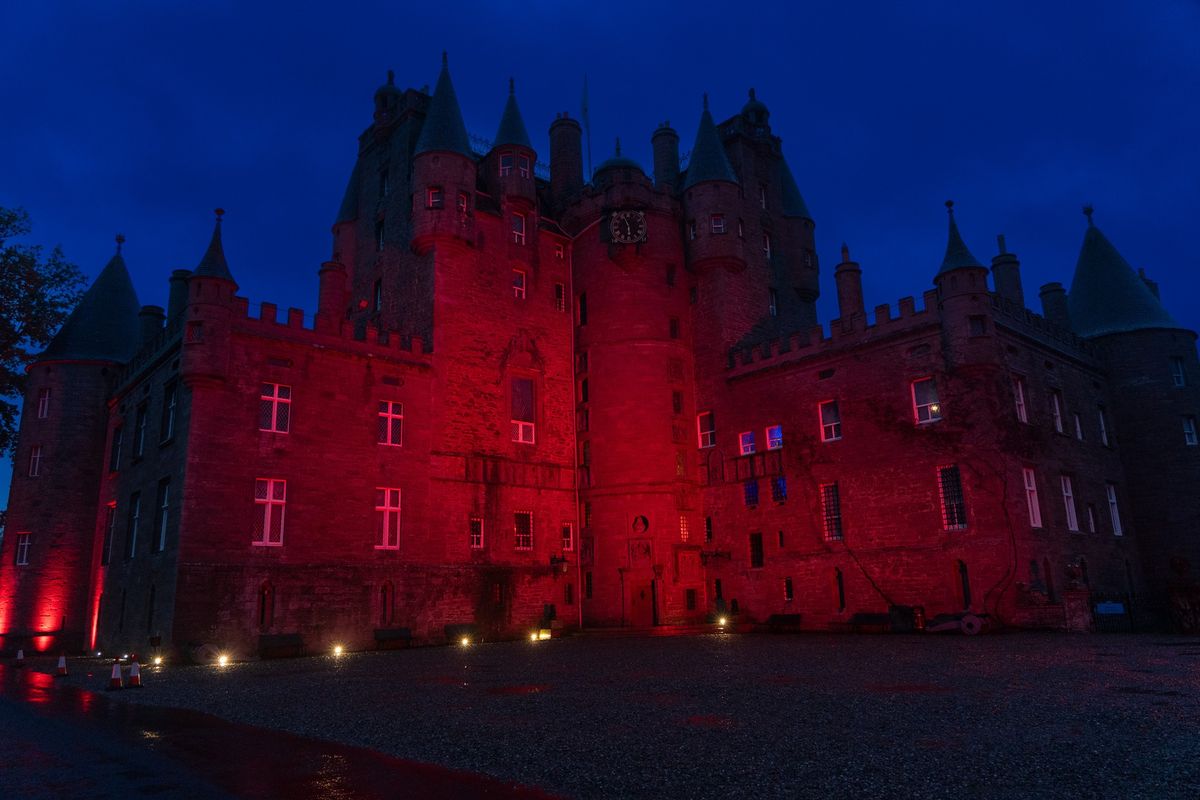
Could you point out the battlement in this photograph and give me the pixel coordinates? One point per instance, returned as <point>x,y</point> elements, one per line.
<point>1028,323</point>
<point>842,333</point>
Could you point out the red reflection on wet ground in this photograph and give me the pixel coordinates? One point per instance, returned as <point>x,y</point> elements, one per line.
<point>247,761</point>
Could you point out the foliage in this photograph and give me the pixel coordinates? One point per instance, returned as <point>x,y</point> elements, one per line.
<point>37,291</point>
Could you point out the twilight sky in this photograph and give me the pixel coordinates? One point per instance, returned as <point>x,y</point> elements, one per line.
<point>141,117</point>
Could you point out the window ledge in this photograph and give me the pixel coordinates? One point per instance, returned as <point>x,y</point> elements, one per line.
<point>257,543</point>
<point>387,547</point>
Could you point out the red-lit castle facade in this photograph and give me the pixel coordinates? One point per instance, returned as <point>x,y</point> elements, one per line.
<point>557,403</point>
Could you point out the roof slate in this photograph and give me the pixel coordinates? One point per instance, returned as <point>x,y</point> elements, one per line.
<point>104,326</point>
<point>957,255</point>
<point>444,130</point>
<point>512,127</point>
<point>708,161</point>
<point>213,265</point>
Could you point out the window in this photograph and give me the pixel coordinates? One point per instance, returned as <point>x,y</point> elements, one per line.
<point>1078,426</point>
<point>385,184</point>
<point>35,461</point>
<point>1189,431</point>
<point>762,196</point>
<point>1056,410</point>
<point>676,402</point>
<point>22,550</point>
<point>708,529</point>
<point>964,582</point>
<point>390,427</point>
<point>379,236</point>
<point>568,536</point>
<point>706,429</point>
<point>1068,494</point>
<point>691,229</point>
<point>1178,376</point>
<point>161,511</point>
<point>926,407</point>
<point>954,503</point>
<point>1091,518</point>
<point>139,431</point>
<point>1103,426</point>
<point>788,594</point>
<point>750,493</point>
<point>741,230</point>
<point>43,408</point>
<point>518,228</point>
<point>132,524</point>
<point>977,325</point>
<point>583,308</point>
<point>773,302</point>
<point>463,204</point>
<point>756,551</point>
<point>1031,498</point>
<point>522,410</point>
<point>1113,511</point>
<point>560,251</point>
<point>746,442</point>
<point>170,400</point>
<point>718,223</point>
<point>434,197</point>
<point>523,530</point>
<point>377,296</point>
<point>766,244</point>
<point>560,297</point>
<point>274,408</point>
<point>110,533</point>
<point>779,488</point>
<point>839,583</point>
<point>1018,386</point>
<point>270,497</point>
<point>587,513</point>
<point>584,393</point>
<point>585,453</point>
<point>831,512</point>
<point>518,284</point>
<point>506,164</point>
<point>774,437</point>
<point>475,533</point>
<point>387,518</point>
<point>114,455</point>
<point>683,528</point>
<point>523,165</point>
<point>831,421</point>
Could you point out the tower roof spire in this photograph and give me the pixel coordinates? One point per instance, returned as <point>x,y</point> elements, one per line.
<point>512,126</point>
<point>708,161</point>
<point>104,326</point>
<point>214,265</point>
<point>444,129</point>
<point>957,255</point>
<point>793,201</point>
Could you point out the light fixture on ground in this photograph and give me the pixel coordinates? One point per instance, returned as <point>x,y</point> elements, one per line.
<point>722,622</point>
<point>338,649</point>
<point>464,641</point>
<point>222,660</point>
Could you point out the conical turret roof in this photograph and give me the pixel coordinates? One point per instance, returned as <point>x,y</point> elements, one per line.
<point>1106,295</point>
<point>957,255</point>
<point>104,326</point>
<point>444,130</point>
<point>512,127</point>
<point>708,161</point>
<point>793,201</point>
<point>213,265</point>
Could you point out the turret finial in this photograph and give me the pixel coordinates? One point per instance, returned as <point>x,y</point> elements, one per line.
<point>391,78</point>
<point>950,207</point>
<point>1088,210</point>
<point>706,101</point>
<point>120,241</point>
<point>845,253</point>
<point>511,86</point>
<point>220,212</point>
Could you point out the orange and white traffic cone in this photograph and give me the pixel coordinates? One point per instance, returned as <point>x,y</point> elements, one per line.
<point>135,675</point>
<point>61,672</point>
<point>114,682</point>
<point>20,658</point>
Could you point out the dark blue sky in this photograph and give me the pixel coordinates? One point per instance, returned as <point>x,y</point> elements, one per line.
<point>142,117</point>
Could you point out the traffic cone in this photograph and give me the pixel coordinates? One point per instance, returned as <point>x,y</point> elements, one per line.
<point>135,675</point>
<point>114,683</point>
<point>20,658</point>
<point>61,672</point>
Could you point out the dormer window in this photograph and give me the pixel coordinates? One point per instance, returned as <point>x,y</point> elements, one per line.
<point>718,223</point>
<point>518,228</point>
<point>434,197</point>
<point>523,166</point>
<point>506,164</point>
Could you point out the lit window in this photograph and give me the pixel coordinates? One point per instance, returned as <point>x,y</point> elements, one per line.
<point>779,488</point>
<point>35,461</point>
<point>774,437</point>
<point>114,455</point>
<point>274,408</point>
<point>1178,375</point>
<point>463,203</point>
<point>766,244</point>
<point>560,297</point>
<point>434,197</point>
<point>523,165</point>
<point>1031,498</point>
<point>1103,426</point>
<point>132,524</point>
<point>926,407</point>
<point>170,400</point>
<point>718,223</point>
<point>387,518</point>
<point>750,493</point>
<point>831,421</point>
<point>506,164</point>
<point>773,302</point>
<point>518,228</point>
<point>270,497</point>
<point>1068,494</point>
<point>522,410</point>
<point>683,528</point>
<point>160,515</point>
<point>746,442</point>
<point>568,536</point>
<point>390,427</point>
<point>518,284</point>
<point>22,550</point>
<point>1113,511</point>
<point>475,527</point>
<point>954,504</point>
<point>831,511</point>
<point>523,530</point>
<point>706,429</point>
<point>139,431</point>
<point>1189,431</point>
<point>1078,426</point>
<point>43,407</point>
<point>1056,410</point>
<point>756,551</point>
<point>1018,386</point>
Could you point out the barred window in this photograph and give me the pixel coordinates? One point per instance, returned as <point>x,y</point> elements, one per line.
<point>831,421</point>
<point>270,497</point>
<point>750,492</point>
<point>954,504</point>
<point>779,488</point>
<point>475,528</point>
<point>387,518</point>
<point>831,511</point>
<point>568,536</point>
<point>274,408</point>
<point>390,427</point>
<point>523,530</point>
<point>683,528</point>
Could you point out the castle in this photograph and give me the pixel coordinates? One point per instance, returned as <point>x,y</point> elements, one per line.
<point>564,402</point>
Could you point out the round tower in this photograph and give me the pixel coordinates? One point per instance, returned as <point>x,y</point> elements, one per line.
<point>566,159</point>
<point>665,142</point>
<point>964,302</point>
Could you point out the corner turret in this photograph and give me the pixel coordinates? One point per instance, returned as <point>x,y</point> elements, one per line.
<point>210,308</point>
<point>509,164</point>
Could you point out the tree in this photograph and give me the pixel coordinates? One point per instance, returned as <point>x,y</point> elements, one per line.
<point>36,294</point>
